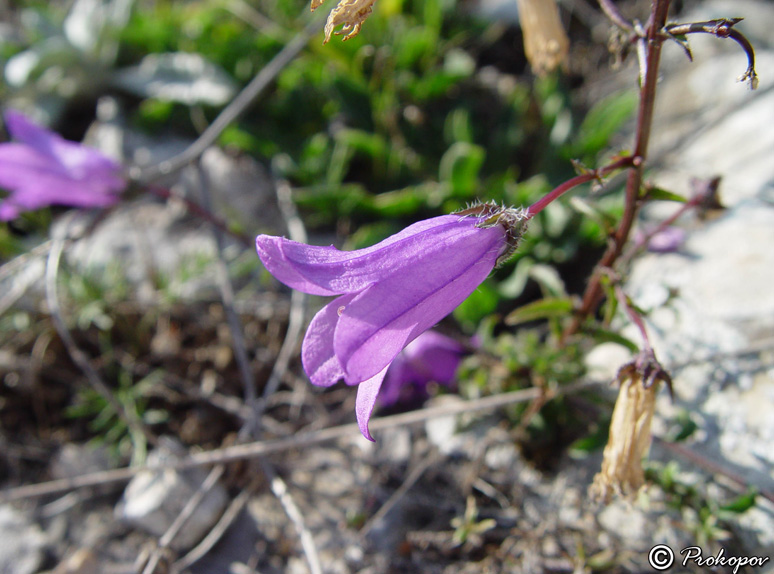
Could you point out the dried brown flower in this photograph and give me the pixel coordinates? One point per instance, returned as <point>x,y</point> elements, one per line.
<point>629,438</point>
<point>545,41</point>
<point>350,14</point>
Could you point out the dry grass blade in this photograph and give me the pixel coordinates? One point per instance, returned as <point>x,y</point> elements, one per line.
<point>79,358</point>
<point>297,441</point>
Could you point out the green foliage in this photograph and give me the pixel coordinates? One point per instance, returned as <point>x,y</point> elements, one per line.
<point>94,294</point>
<point>600,124</point>
<point>704,515</point>
<point>468,528</point>
<point>109,428</point>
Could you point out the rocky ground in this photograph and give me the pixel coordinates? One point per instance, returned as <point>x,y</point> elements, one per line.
<point>451,494</point>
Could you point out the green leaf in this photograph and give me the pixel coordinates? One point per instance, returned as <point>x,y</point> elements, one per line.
<point>549,280</point>
<point>591,442</point>
<point>601,335</point>
<point>660,194</point>
<point>460,166</point>
<point>551,307</point>
<point>602,122</point>
<point>741,504</point>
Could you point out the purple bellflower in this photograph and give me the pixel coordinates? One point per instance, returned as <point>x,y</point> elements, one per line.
<point>390,293</point>
<point>430,358</point>
<point>41,168</point>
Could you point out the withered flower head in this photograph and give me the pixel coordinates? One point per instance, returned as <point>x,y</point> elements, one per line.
<point>629,438</point>
<point>350,14</point>
<point>545,41</point>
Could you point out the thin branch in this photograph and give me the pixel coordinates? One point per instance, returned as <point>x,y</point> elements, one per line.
<point>589,175</point>
<point>711,466</point>
<point>720,28</point>
<point>227,296</point>
<point>214,535</point>
<point>240,353</point>
<point>297,232</point>
<point>297,441</point>
<point>132,421</point>
<point>280,490</point>
<point>612,12</point>
<point>180,520</point>
<point>231,112</point>
<point>411,479</point>
<point>200,212</point>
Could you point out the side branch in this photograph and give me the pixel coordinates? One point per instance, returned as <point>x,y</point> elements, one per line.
<point>720,28</point>
<point>655,39</point>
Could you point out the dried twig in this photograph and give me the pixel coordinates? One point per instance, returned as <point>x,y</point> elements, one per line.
<point>280,490</point>
<point>396,496</point>
<point>180,520</point>
<point>132,421</point>
<point>232,111</point>
<point>300,440</point>
<point>214,535</point>
<point>297,232</point>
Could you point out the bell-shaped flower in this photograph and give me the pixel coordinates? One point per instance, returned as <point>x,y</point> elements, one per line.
<point>430,358</point>
<point>390,293</point>
<point>41,168</point>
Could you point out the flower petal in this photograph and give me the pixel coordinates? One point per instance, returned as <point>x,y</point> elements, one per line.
<point>45,169</point>
<point>329,271</point>
<point>19,163</point>
<point>367,391</point>
<point>79,160</point>
<point>28,132</point>
<point>384,318</point>
<point>434,357</point>
<point>399,374</point>
<point>320,362</point>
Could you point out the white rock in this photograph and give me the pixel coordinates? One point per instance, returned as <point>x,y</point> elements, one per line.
<point>154,499</point>
<point>21,543</point>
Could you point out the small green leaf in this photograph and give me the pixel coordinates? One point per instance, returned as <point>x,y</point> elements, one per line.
<point>602,122</point>
<point>552,307</point>
<point>741,504</point>
<point>601,335</point>
<point>660,194</point>
<point>549,280</point>
<point>460,166</point>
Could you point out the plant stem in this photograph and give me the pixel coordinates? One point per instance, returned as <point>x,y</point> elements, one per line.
<point>591,175</point>
<point>201,212</point>
<point>593,294</point>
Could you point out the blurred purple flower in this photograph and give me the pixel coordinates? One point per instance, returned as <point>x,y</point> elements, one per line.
<point>389,293</point>
<point>430,358</point>
<point>41,169</point>
<point>666,240</point>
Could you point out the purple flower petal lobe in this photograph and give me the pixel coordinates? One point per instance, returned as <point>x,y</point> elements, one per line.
<point>44,169</point>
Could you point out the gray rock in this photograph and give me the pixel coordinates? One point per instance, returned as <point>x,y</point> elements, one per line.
<point>154,499</point>
<point>21,543</point>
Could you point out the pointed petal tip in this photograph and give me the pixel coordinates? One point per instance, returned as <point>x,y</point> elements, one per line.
<point>365,401</point>
<point>366,433</point>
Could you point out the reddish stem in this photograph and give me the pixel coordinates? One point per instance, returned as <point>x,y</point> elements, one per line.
<point>593,294</point>
<point>200,212</point>
<point>592,175</point>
